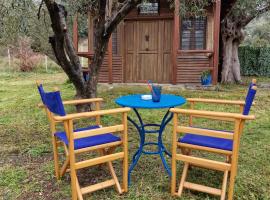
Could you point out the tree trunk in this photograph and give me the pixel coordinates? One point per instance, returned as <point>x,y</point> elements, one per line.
<point>65,52</point>
<point>232,36</point>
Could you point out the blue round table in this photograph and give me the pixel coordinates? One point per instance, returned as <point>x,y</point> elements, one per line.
<point>166,101</point>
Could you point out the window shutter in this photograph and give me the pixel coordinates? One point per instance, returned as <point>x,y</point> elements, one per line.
<point>193,33</point>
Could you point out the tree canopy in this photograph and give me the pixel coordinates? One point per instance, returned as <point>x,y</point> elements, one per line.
<point>257,32</point>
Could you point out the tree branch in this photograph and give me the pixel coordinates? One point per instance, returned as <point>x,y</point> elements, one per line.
<point>39,8</point>
<point>249,18</point>
<point>128,5</point>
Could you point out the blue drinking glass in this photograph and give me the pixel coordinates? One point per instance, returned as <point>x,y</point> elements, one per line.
<point>156,93</point>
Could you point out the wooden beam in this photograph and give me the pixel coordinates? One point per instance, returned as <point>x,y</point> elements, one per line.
<point>217,9</point>
<point>76,102</point>
<point>98,131</point>
<point>196,51</point>
<point>217,101</point>
<point>91,114</point>
<point>202,188</point>
<point>82,101</point>
<point>99,160</point>
<point>205,163</point>
<point>125,149</point>
<point>174,151</point>
<point>205,132</point>
<point>110,57</point>
<point>175,42</point>
<point>102,146</point>
<point>98,186</point>
<point>183,179</point>
<point>196,147</point>
<point>218,115</point>
<point>75,32</point>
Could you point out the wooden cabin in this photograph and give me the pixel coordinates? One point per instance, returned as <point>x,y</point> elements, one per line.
<point>154,43</point>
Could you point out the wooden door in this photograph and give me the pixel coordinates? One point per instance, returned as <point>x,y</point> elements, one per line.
<point>148,47</point>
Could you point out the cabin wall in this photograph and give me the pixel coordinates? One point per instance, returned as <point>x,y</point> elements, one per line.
<point>191,63</point>
<point>184,66</point>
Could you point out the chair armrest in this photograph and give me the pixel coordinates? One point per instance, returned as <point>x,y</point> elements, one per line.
<point>218,115</point>
<point>77,101</point>
<point>82,101</point>
<point>216,101</point>
<point>91,114</point>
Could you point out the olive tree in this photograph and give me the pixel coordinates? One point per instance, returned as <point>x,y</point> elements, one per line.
<point>238,17</point>
<point>106,15</point>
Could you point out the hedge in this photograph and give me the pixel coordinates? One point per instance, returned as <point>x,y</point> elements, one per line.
<point>254,61</point>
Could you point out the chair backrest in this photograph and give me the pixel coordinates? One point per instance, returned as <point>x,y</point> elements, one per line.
<point>250,97</point>
<point>52,100</point>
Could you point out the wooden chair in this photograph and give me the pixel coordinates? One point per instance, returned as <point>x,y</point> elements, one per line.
<point>215,141</point>
<point>81,140</point>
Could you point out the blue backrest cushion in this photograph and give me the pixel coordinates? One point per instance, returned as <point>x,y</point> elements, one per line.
<point>249,99</point>
<point>42,93</point>
<point>54,103</point>
<point>52,100</point>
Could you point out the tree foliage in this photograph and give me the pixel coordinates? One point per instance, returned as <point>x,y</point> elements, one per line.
<point>254,61</point>
<point>19,19</point>
<point>258,32</point>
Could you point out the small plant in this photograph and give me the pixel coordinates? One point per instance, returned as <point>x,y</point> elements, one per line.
<point>206,78</point>
<point>205,74</point>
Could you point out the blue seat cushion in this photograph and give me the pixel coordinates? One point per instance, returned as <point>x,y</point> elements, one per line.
<point>88,141</point>
<point>207,141</point>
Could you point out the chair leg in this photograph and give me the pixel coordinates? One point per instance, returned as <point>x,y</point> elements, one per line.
<point>56,158</point>
<point>110,166</point>
<point>64,167</point>
<point>79,193</point>
<point>173,178</point>
<point>183,179</point>
<point>117,184</point>
<point>125,172</point>
<point>231,183</point>
<point>224,185</point>
<point>73,175</point>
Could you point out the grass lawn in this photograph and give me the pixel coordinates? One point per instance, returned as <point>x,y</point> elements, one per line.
<point>26,162</point>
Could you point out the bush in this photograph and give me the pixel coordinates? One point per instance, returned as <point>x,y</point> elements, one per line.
<point>26,56</point>
<point>255,61</point>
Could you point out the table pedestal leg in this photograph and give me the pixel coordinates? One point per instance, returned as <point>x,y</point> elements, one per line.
<point>161,148</point>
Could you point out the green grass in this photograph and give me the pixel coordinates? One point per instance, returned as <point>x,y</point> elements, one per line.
<point>26,162</point>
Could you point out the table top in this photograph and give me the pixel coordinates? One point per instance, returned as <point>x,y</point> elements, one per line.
<point>135,101</point>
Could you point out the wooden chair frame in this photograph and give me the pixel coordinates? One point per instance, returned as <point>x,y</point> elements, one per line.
<point>105,150</point>
<point>229,166</point>
<point>241,104</point>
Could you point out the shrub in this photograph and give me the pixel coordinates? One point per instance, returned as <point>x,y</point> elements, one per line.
<point>26,56</point>
<point>255,61</point>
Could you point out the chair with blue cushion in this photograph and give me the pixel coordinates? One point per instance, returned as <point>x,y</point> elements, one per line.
<point>209,140</point>
<point>81,140</point>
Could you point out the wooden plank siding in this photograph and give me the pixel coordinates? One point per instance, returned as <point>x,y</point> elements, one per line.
<point>117,70</point>
<point>190,67</point>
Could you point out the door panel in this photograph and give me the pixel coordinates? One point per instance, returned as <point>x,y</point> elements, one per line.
<point>148,47</point>
<point>146,67</point>
<point>148,36</point>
